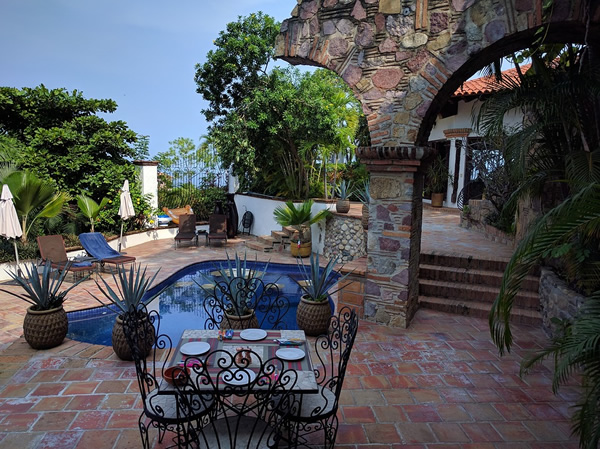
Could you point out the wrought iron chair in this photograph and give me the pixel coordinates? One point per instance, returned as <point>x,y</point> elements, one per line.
<point>244,303</point>
<point>252,399</point>
<point>318,411</point>
<point>177,409</point>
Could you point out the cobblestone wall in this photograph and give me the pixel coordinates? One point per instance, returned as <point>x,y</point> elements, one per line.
<point>557,299</point>
<point>475,220</point>
<point>345,237</point>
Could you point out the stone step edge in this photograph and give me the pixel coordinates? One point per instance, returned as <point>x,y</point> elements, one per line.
<point>259,247</point>
<point>480,287</point>
<point>530,282</point>
<point>481,309</point>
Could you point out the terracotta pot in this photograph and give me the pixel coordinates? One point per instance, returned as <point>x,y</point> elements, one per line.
<point>313,317</point>
<point>303,251</point>
<point>342,206</point>
<point>365,216</point>
<point>437,199</point>
<point>248,321</point>
<point>121,346</point>
<point>45,329</point>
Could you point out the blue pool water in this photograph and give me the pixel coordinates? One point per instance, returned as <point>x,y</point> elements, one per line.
<point>181,304</point>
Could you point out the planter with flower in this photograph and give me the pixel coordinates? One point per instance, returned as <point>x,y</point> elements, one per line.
<point>45,325</point>
<point>314,308</point>
<point>300,218</point>
<point>130,293</point>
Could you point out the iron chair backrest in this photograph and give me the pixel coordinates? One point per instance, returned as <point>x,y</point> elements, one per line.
<point>171,408</point>
<point>333,354</point>
<point>253,398</point>
<point>243,296</point>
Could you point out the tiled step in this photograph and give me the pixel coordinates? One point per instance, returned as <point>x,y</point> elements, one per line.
<point>472,276</point>
<point>280,236</point>
<point>267,240</point>
<point>259,246</point>
<point>478,309</point>
<point>474,292</point>
<point>467,262</point>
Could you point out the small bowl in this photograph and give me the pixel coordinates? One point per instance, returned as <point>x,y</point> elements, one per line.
<point>176,375</point>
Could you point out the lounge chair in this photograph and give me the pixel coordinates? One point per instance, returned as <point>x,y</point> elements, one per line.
<point>52,248</point>
<point>96,246</point>
<point>187,229</point>
<point>217,228</point>
<point>175,213</point>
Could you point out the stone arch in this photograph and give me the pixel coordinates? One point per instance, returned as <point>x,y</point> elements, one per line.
<point>403,59</point>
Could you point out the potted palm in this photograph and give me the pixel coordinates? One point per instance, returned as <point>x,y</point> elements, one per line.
<point>344,191</point>
<point>131,288</point>
<point>364,196</point>
<point>437,181</point>
<point>314,310</point>
<point>300,218</point>
<point>235,287</point>
<point>45,325</point>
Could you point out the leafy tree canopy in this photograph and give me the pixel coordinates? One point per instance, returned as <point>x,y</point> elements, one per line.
<point>231,71</point>
<point>61,139</point>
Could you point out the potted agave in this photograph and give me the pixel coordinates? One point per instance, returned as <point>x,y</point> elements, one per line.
<point>132,287</point>
<point>314,310</point>
<point>300,218</point>
<point>235,288</point>
<point>344,191</point>
<point>45,325</point>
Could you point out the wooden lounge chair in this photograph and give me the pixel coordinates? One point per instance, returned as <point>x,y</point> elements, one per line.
<point>96,246</point>
<point>175,213</point>
<point>217,228</point>
<point>187,229</point>
<point>52,248</point>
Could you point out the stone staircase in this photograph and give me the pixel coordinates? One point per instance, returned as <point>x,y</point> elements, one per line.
<point>277,241</point>
<point>468,286</point>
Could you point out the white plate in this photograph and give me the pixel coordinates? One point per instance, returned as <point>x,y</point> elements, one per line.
<point>238,377</point>
<point>253,334</point>
<point>290,354</point>
<point>195,348</point>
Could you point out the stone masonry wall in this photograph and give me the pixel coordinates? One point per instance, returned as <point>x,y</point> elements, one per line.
<point>557,299</point>
<point>475,220</point>
<point>345,238</point>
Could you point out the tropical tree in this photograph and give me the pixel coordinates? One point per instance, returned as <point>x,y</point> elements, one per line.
<point>559,149</point>
<point>90,209</point>
<point>33,199</point>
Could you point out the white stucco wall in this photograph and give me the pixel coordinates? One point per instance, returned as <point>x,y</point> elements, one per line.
<point>264,221</point>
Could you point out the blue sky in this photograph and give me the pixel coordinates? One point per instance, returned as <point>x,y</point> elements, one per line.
<point>140,53</point>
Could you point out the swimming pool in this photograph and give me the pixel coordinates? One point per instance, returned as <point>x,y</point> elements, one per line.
<point>181,305</point>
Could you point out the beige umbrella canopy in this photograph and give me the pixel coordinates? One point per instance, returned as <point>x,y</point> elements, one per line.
<point>10,227</point>
<point>126,210</point>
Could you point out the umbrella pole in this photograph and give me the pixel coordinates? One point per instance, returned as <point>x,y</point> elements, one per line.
<point>17,257</point>
<point>121,237</point>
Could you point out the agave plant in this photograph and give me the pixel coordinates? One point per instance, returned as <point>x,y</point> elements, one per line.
<point>364,193</point>
<point>132,285</point>
<point>237,281</point>
<point>42,289</point>
<point>344,190</point>
<point>318,282</point>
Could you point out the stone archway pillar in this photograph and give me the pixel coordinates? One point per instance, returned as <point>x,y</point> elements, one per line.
<point>394,237</point>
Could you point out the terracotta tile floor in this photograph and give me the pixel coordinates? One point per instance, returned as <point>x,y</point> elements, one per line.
<point>438,384</point>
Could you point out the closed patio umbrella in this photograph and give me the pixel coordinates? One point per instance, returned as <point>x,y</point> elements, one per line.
<point>10,227</point>
<point>125,209</point>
